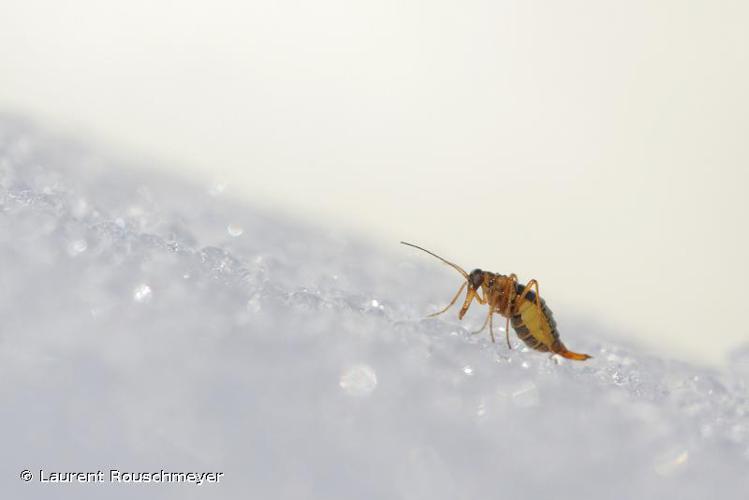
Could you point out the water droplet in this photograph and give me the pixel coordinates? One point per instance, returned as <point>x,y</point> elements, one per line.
<point>234,230</point>
<point>358,380</point>
<point>375,304</point>
<point>670,462</point>
<point>525,365</point>
<point>142,293</point>
<point>76,247</point>
<point>468,370</point>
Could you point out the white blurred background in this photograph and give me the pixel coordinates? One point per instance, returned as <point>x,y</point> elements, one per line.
<point>599,147</point>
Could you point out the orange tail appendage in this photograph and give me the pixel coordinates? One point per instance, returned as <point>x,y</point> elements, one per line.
<point>573,355</point>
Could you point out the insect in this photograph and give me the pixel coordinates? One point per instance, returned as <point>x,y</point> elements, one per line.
<point>530,316</point>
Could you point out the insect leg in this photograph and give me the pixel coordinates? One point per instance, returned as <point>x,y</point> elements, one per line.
<point>510,300</point>
<point>507,333</point>
<point>470,295</point>
<point>451,302</point>
<point>490,320</point>
<point>491,325</point>
<point>486,322</point>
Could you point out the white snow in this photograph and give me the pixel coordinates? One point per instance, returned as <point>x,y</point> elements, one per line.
<point>146,324</point>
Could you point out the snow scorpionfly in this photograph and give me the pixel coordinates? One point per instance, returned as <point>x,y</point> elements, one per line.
<point>531,318</point>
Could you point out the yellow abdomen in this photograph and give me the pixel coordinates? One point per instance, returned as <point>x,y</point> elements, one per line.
<point>536,327</point>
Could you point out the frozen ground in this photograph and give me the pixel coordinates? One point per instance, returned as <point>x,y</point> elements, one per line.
<point>146,324</point>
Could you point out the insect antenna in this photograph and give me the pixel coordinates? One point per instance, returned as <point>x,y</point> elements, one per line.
<point>455,266</point>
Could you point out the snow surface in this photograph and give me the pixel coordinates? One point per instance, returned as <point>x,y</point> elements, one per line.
<point>147,324</point>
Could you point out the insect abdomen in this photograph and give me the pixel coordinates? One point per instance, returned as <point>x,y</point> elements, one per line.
<point>539,331</point>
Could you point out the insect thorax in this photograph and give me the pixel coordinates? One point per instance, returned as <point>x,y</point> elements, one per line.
<point>500,292</point>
